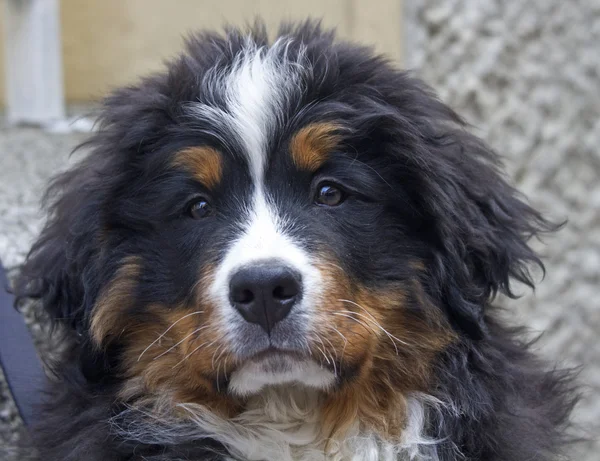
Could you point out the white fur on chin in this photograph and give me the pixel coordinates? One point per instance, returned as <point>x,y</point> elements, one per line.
<point>253,376</point>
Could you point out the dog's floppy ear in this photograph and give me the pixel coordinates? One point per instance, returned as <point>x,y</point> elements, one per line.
<point>479,224</point>
<point>482,226</point>
<point>59,270</point>
<point>64,268</point>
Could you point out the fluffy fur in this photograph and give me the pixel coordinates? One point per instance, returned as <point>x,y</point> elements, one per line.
<point>395,350</point>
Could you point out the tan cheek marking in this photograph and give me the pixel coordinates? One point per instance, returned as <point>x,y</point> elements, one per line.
<point>418,266</point>
<point>311,145</point>
<point>174,366</point>
<point>178,365</point>
<point>204,163</point>
<point>390,368</point>
<point>108,316</point>
<point>427,331</point>
<point>376,402</point>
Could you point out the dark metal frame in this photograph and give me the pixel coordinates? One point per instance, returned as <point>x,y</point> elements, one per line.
<point>18,357</point>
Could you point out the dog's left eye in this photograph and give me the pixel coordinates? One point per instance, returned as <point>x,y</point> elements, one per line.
<point>329,195</point>
<point>199,209</point>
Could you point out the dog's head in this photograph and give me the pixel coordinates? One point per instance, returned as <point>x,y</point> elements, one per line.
<point>268,214</point>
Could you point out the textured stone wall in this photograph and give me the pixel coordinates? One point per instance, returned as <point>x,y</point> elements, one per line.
<point>526,74</point>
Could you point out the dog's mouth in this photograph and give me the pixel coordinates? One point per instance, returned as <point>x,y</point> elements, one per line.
<point>273,366</point>
<point>274,359</point>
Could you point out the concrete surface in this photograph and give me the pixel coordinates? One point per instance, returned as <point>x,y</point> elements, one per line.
<point>28,157</point>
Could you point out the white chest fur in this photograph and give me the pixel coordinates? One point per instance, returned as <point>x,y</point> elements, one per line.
<point>283,426</point>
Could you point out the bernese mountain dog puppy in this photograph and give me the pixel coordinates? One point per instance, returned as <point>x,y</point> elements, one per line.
<point>288,250</point>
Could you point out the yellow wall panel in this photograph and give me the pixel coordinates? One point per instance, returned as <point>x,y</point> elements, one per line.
<point>107,43</point>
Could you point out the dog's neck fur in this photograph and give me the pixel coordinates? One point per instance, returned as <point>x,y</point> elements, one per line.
<point>281,424</point>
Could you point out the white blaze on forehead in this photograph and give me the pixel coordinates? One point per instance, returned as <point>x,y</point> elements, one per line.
<point>256,94</point>
<point>257,88</point>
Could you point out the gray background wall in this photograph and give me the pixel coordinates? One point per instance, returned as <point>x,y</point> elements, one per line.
<point>526,74</point>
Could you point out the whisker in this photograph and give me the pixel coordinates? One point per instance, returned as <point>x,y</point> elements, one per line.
<point>365,325</point>
<point>167,330</point>
<point>212,359</point>
<point>346,314</point>
<point>359,306</point>
<point>334,364</point>
<point>218,369</point>
<point>219,356</point>
<point>195,350</point>
<point>179,342</point>
<point>339,333</point>
<point>391,337</point>
<point>322,351</point>
<point>331,327</point>
<point>330,352</point>
<point>363,316</point>
<point>323,354</point>
<point>195,285</point>
<point>374,320</point>
<point>333,360</point>
<point>331,344</point>
<point>308,347</point>
<point>327,263</point>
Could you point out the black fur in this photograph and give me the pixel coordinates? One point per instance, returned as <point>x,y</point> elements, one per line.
<point>430,189</point>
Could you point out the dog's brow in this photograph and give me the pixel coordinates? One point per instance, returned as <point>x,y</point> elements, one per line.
<point>204,163</point>
<point>311,145</point>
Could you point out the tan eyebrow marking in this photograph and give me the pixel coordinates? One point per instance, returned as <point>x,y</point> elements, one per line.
<point>204,163</point>
<point>311,145</point>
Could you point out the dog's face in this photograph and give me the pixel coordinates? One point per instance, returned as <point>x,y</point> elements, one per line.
<point>274,242</point>
<point>292,214</point>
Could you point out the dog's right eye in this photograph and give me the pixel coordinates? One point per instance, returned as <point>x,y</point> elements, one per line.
<point>200,208</point>
<point>328,194</point>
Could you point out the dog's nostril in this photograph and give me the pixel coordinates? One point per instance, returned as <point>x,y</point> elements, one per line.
<point>284,293</point>
<point>245,297</point>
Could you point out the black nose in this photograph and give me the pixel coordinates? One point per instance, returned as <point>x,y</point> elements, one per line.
<point>265,293</point>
